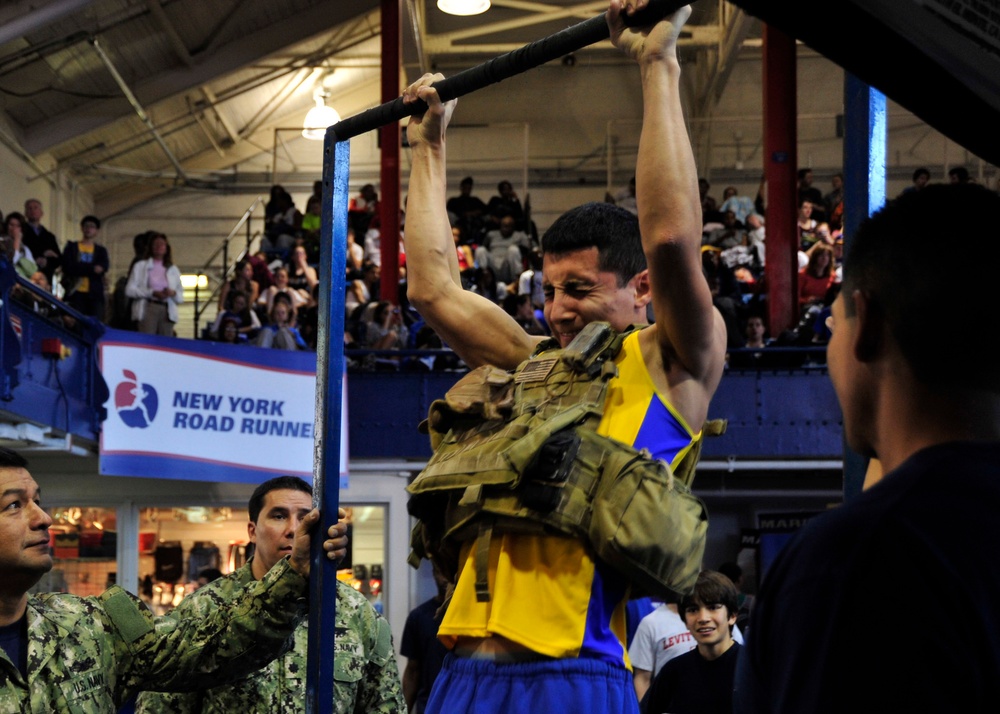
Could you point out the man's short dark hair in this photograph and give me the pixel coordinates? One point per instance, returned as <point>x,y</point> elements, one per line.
<point>605,226</point>
<point>922,171</point>
<point>712,587</point>
<point>292,483</point>
<point>10,459</point>
<point>961,173</point>
<point>903,259</point>
<point>90,219</point>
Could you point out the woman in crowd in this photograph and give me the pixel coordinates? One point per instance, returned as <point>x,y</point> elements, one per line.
<point>281,332</point>
<point>816,279</point>
<point>297,298</point>
<point>154,284</point>
<point>301,275</point>
<point>243,281</point>
<point>247,322</point>
<point>20,254</point>
<point>229,331</point>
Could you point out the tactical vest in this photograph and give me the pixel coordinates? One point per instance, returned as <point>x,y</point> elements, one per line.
<point>519,452</point>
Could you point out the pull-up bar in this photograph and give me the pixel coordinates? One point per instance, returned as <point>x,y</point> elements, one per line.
<point>503,67</point>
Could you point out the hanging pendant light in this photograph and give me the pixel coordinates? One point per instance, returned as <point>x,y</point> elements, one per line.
<point>463,7</point>
<point>319,118</point>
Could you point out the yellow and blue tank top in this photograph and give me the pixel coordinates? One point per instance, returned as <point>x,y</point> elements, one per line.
<point>548,593</point>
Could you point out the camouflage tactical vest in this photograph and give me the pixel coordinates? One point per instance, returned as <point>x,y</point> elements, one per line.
<point>519,452</point>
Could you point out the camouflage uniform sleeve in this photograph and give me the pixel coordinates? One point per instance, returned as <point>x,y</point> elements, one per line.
<point>162,703</point>
<point>379,690</point>
<point>211,641</point>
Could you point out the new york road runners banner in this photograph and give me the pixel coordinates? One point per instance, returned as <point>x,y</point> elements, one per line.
<point>205,411</point>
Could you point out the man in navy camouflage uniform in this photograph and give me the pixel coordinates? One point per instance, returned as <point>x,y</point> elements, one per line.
<point>366,679</point>
<point>89,655</point>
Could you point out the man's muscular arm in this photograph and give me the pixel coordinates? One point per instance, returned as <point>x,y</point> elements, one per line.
<point>478,330</point>
<point>689,330</point>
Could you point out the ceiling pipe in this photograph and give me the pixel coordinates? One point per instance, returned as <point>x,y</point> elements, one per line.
<point>31,21</point>
<point>138,109</point>
<point>418,36</point>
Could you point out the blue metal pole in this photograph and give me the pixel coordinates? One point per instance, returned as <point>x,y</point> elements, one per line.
<point>329,400</point>
<point>865,138</point>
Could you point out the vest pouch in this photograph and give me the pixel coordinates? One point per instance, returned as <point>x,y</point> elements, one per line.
<point>648,525</point>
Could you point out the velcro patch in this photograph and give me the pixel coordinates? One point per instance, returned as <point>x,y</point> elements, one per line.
<point>126,616</point>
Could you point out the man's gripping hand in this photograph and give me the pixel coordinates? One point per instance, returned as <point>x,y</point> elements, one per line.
<point>428,128</point>
<point>650,43</point>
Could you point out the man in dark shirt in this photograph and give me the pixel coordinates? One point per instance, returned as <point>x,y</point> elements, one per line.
<point>423,650</point>
<point>469,211</point>
<point>833,626</point>
<point>40,240</point>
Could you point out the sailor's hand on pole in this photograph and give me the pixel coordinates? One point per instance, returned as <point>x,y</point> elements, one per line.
<point>299,559</point>
<point>335,546</point>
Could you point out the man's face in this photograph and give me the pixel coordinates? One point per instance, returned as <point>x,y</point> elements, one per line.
<point>465,187</point>
<point>33,211</point>
<point>90,230</point>
<point>506,226</point>
<point>577,293</point>
<point>274,532</point>
<point>24,526</point>
<point>845,374</point>
<point>922,180</point>
<point>807,179</point>
<point>709,623</point>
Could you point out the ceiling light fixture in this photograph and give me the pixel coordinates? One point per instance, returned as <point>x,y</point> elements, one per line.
<point>319,117</point>
<point>463,7</point>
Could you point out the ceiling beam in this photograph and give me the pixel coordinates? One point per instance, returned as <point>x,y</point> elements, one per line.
<point>176,43</point>
<point>228,58</point>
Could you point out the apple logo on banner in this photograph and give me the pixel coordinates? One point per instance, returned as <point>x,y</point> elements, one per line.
<point>135,403</point>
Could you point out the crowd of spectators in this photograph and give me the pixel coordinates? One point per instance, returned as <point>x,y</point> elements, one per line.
<point>733,248</point>
<point>270,298</point>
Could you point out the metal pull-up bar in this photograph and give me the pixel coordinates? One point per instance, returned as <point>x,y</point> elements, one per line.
<point>503,67</point>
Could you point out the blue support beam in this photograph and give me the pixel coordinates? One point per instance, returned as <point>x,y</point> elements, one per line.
<point>865,139</point>
<point>329,415</point>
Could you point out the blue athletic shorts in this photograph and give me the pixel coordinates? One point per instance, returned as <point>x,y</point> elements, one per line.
<point>475,686</point>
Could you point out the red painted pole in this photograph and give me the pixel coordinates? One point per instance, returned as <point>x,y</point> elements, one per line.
<point>780,168</point>
<point>389,202</point>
